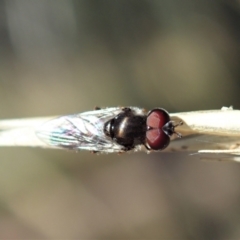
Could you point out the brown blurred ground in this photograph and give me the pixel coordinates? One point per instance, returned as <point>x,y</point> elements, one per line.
<point>60,57</point>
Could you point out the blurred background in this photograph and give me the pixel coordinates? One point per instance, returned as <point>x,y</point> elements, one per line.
<point>67,56</point>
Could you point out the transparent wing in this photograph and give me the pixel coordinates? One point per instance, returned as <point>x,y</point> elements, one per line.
<point>81,131</point>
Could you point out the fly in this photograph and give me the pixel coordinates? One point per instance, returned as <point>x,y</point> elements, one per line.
<point>110,130</point>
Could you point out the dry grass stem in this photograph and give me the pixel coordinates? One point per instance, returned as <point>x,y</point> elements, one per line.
<point>212,134</point>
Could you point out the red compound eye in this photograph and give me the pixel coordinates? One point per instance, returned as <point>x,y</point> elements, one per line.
<point>157,139</point>
<point>157,118</point>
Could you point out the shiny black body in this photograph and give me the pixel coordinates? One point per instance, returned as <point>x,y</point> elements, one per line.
<point>127,129</point>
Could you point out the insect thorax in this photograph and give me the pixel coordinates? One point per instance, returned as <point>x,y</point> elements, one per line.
<point>127,128</point>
